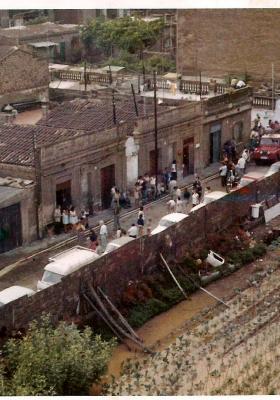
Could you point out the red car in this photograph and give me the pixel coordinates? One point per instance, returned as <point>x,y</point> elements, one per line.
<point>268,150</point>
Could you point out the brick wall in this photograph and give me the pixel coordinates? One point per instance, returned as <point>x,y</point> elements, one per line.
<point>113,271</point>
<point>21,71</point>
<point>223,41</point>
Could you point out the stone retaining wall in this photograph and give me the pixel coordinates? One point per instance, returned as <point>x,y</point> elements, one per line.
<point>113,271</point>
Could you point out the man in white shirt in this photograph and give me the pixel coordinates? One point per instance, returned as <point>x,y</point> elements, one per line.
<point>103,235</point>
<point>133,231</point>
<point>241,166</point>
<point>171,205</point>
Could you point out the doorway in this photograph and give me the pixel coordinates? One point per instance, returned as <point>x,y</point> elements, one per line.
<point>63,194</point>
<point>188,157</point>
<point>153,161</point>
<point>10,228</point>
<point>107,182</point>
<point>215,143</point>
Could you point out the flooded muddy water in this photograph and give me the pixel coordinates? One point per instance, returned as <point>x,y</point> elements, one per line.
<point>164,328</point>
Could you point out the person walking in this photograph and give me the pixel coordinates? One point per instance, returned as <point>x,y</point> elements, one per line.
<point>179,205</point>
<point>171,205</point>
<point>240,166</point>
<point>117,210</point>
<point>223,174</point>
<point>141,212</point>
<point>80,229</point>
<point>93,240</point>
<point>136,193</point>
<point>65,220</point>
<point>140,223</point>
<point>197,186</point>
<point>103,235</point>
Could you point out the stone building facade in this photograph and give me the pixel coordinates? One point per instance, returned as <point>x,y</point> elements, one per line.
<point>56,42</point>
<point>222,42</point>
<point>77,152</point>
<point>23,76</point>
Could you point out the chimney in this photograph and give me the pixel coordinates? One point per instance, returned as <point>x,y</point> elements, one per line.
<point>45,107</point>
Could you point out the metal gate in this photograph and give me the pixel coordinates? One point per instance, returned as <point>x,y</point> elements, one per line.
<point>10,228</point>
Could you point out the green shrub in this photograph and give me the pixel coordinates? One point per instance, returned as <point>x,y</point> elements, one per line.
<point>189,263</point>
<point>259,250</point>
<point>54,361</point>
<point>247,256</point>
<point>172,296</point>
<point>143,312</point>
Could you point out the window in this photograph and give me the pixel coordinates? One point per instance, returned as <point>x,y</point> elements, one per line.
<point>238,132</point>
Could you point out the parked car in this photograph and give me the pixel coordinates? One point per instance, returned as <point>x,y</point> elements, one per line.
<point>275,167</point>
<point>13,293</point>
<point>64,264</point>
<point>167,221</point>
<point>268,150</point>
<point>117,243</point>
<point>209,198</point>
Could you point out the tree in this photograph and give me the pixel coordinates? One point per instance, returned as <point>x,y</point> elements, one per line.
<point>53,361</point>
<point>128,34</point>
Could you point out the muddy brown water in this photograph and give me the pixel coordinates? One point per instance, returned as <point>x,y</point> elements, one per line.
<point>163,329</point>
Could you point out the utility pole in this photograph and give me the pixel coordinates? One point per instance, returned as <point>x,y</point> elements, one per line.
<point>139,87</point>
<point>114,107</point>
<point>272,86</point>
<point>110,75</point>
<point>37,169</point>
<point>144,75</point>
<point>156,131</point>
<point>85,75</point>
<point>200,89</point>
<point>134,100</point>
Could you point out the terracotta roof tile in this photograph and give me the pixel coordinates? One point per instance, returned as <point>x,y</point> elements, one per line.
<point>90,115</point>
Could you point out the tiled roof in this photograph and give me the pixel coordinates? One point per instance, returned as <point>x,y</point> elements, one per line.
<point>5,50</point>
<point>16,142</point>
<point>91,115</point>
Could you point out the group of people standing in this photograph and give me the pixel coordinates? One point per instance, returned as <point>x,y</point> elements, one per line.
<point>230,168</point>
<point>69,220</point>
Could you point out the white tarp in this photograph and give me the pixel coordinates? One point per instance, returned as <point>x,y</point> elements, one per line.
<point>272,212</point>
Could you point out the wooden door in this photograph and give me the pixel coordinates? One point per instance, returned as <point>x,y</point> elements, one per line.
<point>63,194</point>
<point>188,157</point>
<point>215,147</point>
<point>10,228</point>
<point>107,182</point>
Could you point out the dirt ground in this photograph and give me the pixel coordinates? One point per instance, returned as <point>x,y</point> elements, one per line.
<point>221,350</point>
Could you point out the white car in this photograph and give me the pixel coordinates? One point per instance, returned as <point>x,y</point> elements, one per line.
<point>13,293</point>
<point>209,198</point>
<point>64,264</point>
<point>275,167</point>
<point>117,243</point>
<point>167,221</point>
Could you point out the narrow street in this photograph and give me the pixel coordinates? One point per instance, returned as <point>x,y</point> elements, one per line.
<point>29,272</point>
